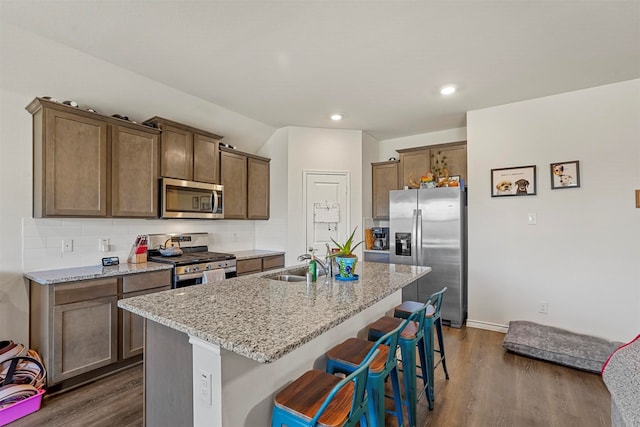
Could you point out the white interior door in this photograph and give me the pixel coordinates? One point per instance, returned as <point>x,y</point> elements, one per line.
<point>326,209</point>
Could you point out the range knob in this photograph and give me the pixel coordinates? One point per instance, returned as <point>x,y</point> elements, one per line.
<point>187,269</point>
<point>196,268</point>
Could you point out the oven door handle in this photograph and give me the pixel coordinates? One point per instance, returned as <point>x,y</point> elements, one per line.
<point>189,276</point>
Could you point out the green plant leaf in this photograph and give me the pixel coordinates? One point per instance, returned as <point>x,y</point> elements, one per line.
<point>346,248</point>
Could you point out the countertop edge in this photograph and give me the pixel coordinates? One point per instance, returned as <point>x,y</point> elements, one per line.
<point>57,276</point>
<point>266,357</point>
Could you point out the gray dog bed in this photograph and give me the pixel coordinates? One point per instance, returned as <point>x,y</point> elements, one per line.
<point>558,345</point>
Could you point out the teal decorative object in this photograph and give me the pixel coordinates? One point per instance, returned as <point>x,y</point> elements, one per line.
<point>346,266</point>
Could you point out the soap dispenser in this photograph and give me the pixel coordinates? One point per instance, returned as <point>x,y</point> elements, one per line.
<point>313,267</point>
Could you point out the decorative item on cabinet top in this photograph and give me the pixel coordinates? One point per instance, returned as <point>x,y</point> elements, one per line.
<point>72,106</point>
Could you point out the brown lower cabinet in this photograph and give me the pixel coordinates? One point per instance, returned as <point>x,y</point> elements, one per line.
<point>78,329</point>
<point>256,265</point>
<point>132,325</point>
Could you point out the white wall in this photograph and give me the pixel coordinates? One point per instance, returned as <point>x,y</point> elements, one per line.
<point>582,256</point>
<point>370,147</point>
<point>32,66</point>
<point>272,234</point>
<point>316,149</point>
<point>388,147</point>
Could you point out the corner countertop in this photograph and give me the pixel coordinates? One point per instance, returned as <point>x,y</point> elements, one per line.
<point>256,253</point>
<point>264,319</point>
<point>52,277</point>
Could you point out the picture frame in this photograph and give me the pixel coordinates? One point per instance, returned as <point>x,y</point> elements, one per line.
<point>514,181</point>
<point>565,175</point>
<point>195,202</point>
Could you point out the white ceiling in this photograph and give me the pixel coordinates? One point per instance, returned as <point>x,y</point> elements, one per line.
<point>378,63</point>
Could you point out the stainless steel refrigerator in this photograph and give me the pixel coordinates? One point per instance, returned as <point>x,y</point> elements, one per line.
<point>428,227</point>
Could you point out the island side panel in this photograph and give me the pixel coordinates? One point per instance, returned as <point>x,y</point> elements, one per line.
<point>168,376</point>
<point>248,387</point>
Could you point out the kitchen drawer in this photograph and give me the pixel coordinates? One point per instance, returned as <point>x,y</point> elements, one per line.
<point>143,281</point>
<point>247,266</point>
<point>84,290</point>
<point>271,262</point>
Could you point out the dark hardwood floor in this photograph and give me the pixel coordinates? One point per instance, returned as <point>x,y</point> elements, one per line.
<point>487,387</point>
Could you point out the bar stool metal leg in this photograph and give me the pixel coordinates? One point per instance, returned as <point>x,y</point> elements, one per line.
<point>411,339</point>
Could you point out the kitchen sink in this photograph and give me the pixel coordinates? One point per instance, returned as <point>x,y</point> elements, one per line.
<point>288,278</point>
<point>298,274</point>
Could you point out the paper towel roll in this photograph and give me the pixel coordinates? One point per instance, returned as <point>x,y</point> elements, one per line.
<point>211,276</point>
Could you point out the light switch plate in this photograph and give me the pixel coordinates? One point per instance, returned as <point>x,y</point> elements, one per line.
<point>532,219</point>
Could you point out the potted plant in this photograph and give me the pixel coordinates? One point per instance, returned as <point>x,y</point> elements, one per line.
<point>345,258</point>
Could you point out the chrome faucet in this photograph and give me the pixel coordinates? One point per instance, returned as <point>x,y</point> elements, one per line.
<point>304,257</point>
<point>324,267</point>
<point>328,274</point>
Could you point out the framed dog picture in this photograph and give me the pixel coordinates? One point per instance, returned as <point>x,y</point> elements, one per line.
<point>565,175</point>
<point>517,181</point>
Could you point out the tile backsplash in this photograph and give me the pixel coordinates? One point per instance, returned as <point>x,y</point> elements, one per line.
<point>42,239</point>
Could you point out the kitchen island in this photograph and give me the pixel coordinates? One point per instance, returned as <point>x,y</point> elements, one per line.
<point>216,354</point>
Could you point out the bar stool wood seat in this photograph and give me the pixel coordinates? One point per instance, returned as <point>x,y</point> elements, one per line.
<point>353,351</point>
<point>317,398</point>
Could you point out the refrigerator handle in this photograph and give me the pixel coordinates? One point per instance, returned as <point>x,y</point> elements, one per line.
<point>418,230</point>
<point>414,238</point>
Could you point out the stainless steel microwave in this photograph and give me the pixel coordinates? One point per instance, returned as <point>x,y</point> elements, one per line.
<point>190,199</point>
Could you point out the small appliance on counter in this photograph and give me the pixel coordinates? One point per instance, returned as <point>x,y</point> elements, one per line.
<point>380,238</point>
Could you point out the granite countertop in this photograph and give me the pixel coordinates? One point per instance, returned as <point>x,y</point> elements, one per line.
<point>256,253</point>
<point>52,277</point>
<point>264,319</point>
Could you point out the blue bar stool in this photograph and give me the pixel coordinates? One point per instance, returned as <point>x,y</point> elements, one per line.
<point>346,356</point>
<point>412,336</point>
<point>405,309</point>
<point>319,398</point>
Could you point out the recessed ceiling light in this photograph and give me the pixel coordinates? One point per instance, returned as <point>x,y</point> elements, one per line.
<point>336,117</point>
<point>447,90</point>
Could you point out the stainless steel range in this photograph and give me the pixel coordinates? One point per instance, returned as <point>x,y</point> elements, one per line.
<point>189,254</point>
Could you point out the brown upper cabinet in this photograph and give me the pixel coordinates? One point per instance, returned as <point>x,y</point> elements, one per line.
<point>257,188</point>
<point>82,160</point>
<point>385,177</point>
<point>416,162</point>
<point>245,178</point>
<point>134,173</point>
<point>188,153</point>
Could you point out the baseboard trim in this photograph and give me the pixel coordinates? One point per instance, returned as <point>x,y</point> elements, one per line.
<point>487,325</point>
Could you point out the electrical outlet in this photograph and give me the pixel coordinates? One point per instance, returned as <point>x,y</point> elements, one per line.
<point>204,386</point>
<point>235,237</point>
<point>67,246</point>
<point>543,307</point>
